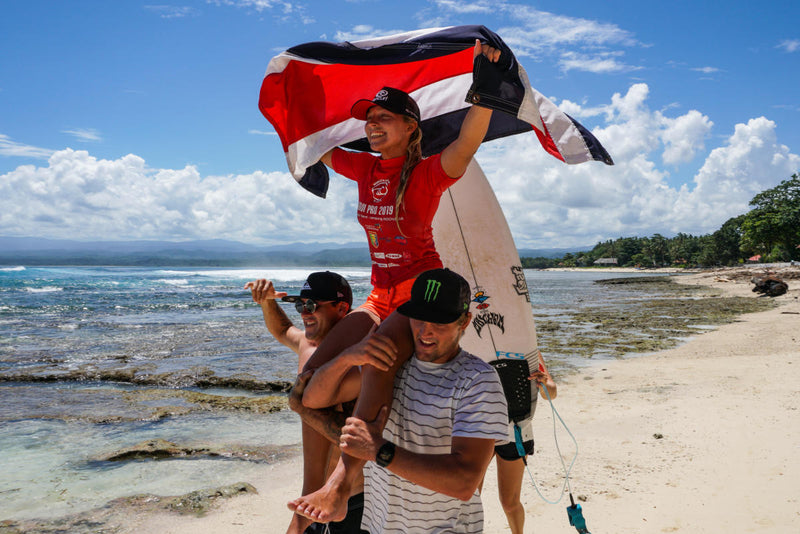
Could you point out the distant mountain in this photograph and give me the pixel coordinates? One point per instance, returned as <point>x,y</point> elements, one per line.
<point>551,253</point>
<point>214,252</point>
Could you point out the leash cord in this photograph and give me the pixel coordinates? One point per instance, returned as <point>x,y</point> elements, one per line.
<point>567,471</point>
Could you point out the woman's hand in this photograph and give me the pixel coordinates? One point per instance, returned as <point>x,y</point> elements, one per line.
<point>376,350</point>
<point>490,52</point>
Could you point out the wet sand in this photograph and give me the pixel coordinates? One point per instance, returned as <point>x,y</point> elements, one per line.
<point>700,438</point>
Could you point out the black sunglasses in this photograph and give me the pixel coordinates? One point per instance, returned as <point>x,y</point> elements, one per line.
<point>309,305</point>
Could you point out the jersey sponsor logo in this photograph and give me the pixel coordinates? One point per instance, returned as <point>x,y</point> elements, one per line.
<point>380,189</point>
<point>520,285</point>
<point>379,255</point>
<point>394,256</point>
<point>373,239</point>
<point>486,318</point>
<point>400,240</point>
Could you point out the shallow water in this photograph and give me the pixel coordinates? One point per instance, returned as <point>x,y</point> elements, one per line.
<point>81,350</point>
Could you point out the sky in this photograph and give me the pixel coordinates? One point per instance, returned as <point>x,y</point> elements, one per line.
<point>138,120</point>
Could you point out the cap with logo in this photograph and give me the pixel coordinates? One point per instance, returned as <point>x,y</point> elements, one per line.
<point>437,296</point>
<point>324,285</point>
<point>394,100</point>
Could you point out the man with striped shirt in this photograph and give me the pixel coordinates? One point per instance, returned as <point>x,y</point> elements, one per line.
<point>447,414</point>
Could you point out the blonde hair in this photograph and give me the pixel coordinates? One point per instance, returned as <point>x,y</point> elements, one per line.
<point>413,156</point>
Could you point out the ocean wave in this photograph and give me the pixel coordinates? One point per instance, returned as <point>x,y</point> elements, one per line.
<point>43,289</point>
<point>283,275</point>
<point>174,282</point>
<point>11,269</point>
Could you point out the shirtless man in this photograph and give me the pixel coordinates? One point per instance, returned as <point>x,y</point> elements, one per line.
<point>325,299</point>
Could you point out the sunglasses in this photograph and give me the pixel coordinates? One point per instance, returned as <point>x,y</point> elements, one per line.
<point>309,306</point>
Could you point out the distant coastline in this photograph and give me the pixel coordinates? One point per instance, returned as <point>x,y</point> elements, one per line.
<point>16,251</point>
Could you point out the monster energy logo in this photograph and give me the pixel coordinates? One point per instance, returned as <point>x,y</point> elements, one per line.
<point>432,290</point>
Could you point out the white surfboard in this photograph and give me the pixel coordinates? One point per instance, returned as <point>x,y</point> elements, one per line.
<point>474,240</point>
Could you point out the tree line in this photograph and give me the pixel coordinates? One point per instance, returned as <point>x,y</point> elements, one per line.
<point>770,230</point>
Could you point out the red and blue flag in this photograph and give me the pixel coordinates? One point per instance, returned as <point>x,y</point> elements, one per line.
<point>308,91</point>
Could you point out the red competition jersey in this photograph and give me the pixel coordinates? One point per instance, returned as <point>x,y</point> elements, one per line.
<point>396,255</point>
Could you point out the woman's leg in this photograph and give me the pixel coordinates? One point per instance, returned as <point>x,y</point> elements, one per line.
<point>347,332</point>
<point>329,503</point>
<point>316,448</point>
<point>509,488</point>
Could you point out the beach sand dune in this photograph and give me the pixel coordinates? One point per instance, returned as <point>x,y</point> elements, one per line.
<point>702,438</point>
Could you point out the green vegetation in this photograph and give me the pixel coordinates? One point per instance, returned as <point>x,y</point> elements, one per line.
<point>770,230</point>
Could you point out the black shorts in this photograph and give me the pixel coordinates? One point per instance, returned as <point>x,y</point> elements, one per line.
<point>509,450</point>
<point>351,524</point>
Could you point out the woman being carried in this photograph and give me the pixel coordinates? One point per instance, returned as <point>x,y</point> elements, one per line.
<point>399,193</point>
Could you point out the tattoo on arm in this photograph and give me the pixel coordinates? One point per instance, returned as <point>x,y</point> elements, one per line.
<point>328,422</point>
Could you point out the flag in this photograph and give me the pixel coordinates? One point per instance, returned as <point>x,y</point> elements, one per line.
<point>308,91</point>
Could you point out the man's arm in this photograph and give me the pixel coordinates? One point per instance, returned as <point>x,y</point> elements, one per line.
<point>278,324</point>
<point>327,422</point>
<point>458,154</point>
<point>457,474</point>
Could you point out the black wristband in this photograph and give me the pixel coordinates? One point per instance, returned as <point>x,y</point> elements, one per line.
<point>385,454</point>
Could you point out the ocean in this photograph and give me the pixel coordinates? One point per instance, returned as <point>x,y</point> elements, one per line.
<point>97,359</point>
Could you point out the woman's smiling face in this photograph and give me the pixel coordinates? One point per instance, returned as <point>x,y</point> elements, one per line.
<point>388,133</point>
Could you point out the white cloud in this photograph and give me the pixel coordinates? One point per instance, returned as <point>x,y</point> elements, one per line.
<point>683,136</point>
<point>454,6</point>
<point>80,197</point>
<point>363,31</point>
<point>260,132</point>
<point>580,44</point>
<point>84,134</point>
<point>599,63</point>
<point>790,45</point>
<point>288,10</point>
<point>172,12</point>
<point>545,201</point>
<point>706,70</point>
<point>12,148</point>
<point>258,5</point>
<point>548,202</point>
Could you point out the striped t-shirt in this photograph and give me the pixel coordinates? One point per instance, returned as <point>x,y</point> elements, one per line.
<point>432,403</point>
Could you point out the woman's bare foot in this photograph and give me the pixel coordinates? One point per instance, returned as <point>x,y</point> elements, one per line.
<point>329,503</point>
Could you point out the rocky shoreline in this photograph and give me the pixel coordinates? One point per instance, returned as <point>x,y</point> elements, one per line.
<point>640,325</point>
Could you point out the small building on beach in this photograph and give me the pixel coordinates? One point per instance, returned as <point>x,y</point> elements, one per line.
<point>606,261</point>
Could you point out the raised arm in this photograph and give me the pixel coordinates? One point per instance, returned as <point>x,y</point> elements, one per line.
<point>275,319</point>
<point>327,158</point>
<point>458,154</point>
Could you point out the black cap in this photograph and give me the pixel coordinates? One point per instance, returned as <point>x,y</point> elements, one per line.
<point>394,100</point>
<point>324,285</point>
<point>437,296</point>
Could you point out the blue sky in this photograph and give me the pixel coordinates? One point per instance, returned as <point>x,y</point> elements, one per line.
<point>139,120</point>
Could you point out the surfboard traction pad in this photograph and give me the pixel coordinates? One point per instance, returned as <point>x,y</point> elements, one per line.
<point>473,239</point>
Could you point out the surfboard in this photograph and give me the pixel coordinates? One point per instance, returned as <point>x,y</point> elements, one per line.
<point>473,239</point>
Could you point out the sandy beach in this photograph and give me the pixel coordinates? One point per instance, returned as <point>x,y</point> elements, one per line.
<point>701,438</point>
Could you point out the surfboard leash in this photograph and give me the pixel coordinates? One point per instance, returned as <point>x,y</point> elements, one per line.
<point>574,511</point>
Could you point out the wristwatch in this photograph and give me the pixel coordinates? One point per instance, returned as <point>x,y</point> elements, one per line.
<point>385,454</point>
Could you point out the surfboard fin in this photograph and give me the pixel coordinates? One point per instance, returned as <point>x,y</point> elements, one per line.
<point>575,515</point>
